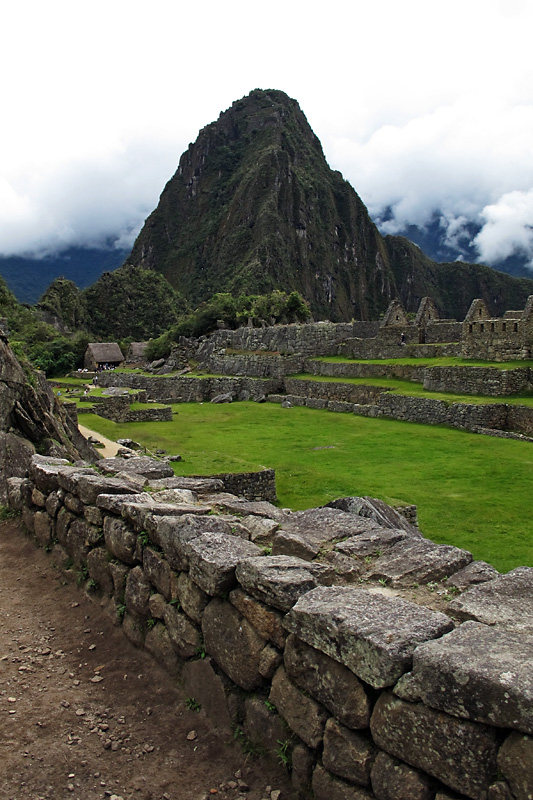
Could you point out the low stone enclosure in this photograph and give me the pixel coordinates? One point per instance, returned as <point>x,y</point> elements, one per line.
<point>363,400</point>
<point>372,661</point>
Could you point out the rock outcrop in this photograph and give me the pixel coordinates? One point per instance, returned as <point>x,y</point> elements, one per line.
<point>31,420</point>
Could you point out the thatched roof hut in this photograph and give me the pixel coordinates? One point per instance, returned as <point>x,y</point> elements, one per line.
<point>102,354</point>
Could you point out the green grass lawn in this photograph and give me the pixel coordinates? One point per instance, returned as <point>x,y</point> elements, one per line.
<point>471,491</point>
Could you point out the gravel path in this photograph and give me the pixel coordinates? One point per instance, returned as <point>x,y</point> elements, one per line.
<point>85,715</point>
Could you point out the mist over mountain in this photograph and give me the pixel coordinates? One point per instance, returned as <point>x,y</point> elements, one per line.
<point>254,206</point>
<point>441,244</point>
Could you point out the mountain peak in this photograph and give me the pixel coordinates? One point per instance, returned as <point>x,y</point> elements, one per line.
<point>254,206</point>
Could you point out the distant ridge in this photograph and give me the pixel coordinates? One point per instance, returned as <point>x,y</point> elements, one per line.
<point>28,278</point>
<point>254,206</point>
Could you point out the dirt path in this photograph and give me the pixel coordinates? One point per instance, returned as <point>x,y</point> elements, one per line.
<point>85,715</point>
<point>109,449</point>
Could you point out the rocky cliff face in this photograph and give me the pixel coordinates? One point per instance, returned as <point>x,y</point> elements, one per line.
<point>31,420</point>
<point>254,206</point>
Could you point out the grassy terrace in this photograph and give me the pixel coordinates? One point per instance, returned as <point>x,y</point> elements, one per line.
<point>472,491</point>
<point>441,361</point>
<point>412,389</point>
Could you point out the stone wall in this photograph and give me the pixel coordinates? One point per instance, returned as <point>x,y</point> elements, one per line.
<point>329,390</point>
<point>118,409</point>
<point>303,652</point>
<point>184,389</point>
<point>478,380</point>
<point>311,339</point>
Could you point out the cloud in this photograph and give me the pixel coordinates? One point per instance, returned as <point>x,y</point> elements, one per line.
<point>100,200</point>
<point>507,228</point>
<point>458,162</point>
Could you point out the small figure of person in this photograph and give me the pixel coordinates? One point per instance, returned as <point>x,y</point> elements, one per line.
<point>402,339</point>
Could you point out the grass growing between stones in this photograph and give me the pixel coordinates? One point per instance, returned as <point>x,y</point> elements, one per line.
<point>472,491</point>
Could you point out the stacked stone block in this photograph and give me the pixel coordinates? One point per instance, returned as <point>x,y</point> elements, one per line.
<point>366,693</point>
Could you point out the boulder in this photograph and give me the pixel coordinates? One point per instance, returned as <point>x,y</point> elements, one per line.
<point>460,753</point>
<point>331,683</point>
<point>480,673</point>
<point>373,635</point>
<point>515,760</point>
<point>348,754</point>
<point>227,397</point>
<point>506,601</point>
<point>394,780</point>
<point>279,580</point>
<point>233,643</point>
<point>304,716</point>
<point>213,558</point>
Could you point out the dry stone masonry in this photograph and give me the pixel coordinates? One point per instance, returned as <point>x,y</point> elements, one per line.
<point>262,364</point>
<point>311,634</point>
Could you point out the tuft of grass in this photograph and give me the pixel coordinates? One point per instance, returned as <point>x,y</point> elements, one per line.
<point>8,513</point>
<point>192,704</point>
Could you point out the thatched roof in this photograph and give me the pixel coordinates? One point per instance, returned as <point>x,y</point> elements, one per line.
<point>105,352</point>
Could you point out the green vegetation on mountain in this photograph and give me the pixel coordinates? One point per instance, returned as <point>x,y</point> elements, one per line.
<point>254,206</point>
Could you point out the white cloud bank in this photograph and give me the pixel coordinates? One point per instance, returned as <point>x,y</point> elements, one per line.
<point>508,228</point>
<point>467,162</point>
<point>425,108</point>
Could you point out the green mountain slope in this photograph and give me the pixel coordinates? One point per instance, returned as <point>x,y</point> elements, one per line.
<point>254,206</point>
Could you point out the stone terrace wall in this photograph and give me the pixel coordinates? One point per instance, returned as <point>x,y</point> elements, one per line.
<point>478,380</point>
<point>376,348</point>
<point>367,693</point>
<point>311,339</point>
<point>184,389</point>
<point>333,369</point>
<point>375,401</point>
<point>328,390</point>
<point>118,409</point>
<point>254,365</point>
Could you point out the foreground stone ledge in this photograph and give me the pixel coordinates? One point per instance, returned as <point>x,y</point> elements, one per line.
<point>279,580</point>
<point>506,601</point>
<point>140,465</point>
<point>461,754</point>
<point>213,558</point>
<point>371,634</point>
<point>479,673</point>
<point>419,561</point>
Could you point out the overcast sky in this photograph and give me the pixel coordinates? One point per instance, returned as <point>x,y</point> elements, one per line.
<point>423,105</point>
